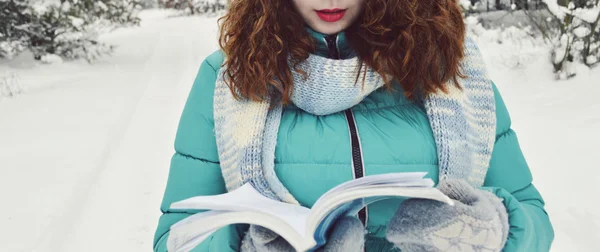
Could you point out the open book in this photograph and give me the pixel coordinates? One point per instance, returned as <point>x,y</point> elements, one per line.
<point>305,229</point>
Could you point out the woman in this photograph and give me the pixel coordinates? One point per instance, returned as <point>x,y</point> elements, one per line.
<point>307,94</point>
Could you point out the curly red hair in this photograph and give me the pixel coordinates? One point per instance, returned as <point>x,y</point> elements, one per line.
<point>419,43</point>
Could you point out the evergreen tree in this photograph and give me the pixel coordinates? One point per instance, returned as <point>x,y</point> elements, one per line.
<point>67,28</point>
<point>193,7</point>
<point>149,4</point>
<point>13,21</point>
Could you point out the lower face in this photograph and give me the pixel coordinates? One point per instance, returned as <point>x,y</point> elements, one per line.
<point>329,16</point>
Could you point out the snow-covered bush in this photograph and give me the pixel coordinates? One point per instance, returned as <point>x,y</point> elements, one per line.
<point>67,28</point>
<point>577,39</point>
<point>9,85</point>
<point>118,12</point>
<point>572,27</point>
<point>489,5</point>
<point>9,48</point>
<point>193,7</point>
<point>149,4</point>
<point>511,46</point>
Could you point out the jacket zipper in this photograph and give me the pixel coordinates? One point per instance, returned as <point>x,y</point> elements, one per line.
<point>358,168</point>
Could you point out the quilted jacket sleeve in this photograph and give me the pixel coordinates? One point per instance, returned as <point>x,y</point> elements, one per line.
<point>510,178</point>
<point>195,166</point>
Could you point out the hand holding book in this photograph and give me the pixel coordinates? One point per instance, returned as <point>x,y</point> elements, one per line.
<point>478,221</point>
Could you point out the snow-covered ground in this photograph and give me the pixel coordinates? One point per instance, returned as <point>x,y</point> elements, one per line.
<point>85,150</point>
<point>558,124</point>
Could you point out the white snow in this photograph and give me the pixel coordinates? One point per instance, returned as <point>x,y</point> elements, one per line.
<point>9,85</point>
<point>581,31</point>
<point>592,59</point>
<point>465,4</point>
<point>589,15</point>
<point>42,6</point>
<point>102,6</point>
<point>77,22</point>
<point>558,125</point>
<point>556,9</point>
<point>51,59</point>
<point>85,150</point>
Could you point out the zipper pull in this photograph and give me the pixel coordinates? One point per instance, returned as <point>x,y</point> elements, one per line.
<point>332,48</point>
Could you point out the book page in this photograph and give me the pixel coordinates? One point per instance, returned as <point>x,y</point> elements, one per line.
<point>187,233</point>
<point>190,232</point>
<point>188,243</point>
<point>354,199</point>
<point>390,178</point>
<point>346,209</point>
<point>295,223</point>
<point>246,198</point>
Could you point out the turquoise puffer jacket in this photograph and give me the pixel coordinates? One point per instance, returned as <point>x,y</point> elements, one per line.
<point>313,155</point>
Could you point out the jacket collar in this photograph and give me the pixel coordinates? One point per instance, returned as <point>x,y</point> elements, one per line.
<point>343,47</point>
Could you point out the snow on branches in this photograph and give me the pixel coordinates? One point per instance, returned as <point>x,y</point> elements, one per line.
<point>65,28</point>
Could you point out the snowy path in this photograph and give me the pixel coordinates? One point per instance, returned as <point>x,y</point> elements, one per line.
<point>84,152</point>
<point>89,152</point>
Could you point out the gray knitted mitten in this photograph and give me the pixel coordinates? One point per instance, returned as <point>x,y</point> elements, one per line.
<point>477,222</point>
<point>348,235</point>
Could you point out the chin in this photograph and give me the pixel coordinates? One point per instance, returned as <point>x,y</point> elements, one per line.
<point>329,29</point>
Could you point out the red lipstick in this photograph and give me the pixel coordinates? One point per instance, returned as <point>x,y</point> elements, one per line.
<point>331,15</point>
